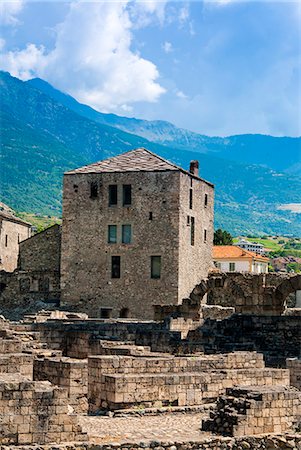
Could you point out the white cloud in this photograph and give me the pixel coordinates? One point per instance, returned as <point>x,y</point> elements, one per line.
<point>9,10</point>
<point>92,59</point>
<point>167,47</point>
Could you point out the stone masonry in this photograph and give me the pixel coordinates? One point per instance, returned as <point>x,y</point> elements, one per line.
<point>170,213</point>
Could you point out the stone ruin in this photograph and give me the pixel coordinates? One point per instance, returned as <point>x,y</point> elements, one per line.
<point>57,368</point>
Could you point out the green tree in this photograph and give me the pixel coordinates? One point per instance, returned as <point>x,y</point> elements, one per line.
<point>222,237</point>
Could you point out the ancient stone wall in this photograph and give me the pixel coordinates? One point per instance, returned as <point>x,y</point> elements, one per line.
<point>67,373</point>
<point>255,410</point>
<point>34,412</point>
<point>122,382</point>
<point>294,366</point>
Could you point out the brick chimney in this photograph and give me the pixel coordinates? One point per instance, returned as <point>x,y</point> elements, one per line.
<point>194,168</point>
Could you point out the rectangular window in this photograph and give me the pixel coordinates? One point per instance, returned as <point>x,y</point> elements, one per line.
<point>93,189</point>
<point>6,240</point>
<point>150,216</point>
<point>156,267</point>
<point>115,267</point>
<point>190,198</point>
<point>192,231</point>
<point>206,200</point>
<point>112,194</point>
<point>105,313</point>
<point>218,265</point>
<point>112,234</point>
<point>188,220</point>
<point>127,195</point>
<point>126,234</point>
<point>205,235</point>
<point>231,267</point>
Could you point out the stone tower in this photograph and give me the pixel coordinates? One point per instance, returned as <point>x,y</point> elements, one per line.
<point>137,231</point>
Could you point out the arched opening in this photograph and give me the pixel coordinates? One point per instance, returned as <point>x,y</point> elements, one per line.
<point>124,313</point>
<point>285,289</point>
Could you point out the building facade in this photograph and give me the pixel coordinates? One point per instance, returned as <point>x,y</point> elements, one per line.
<point>251,246</point>
<point>13,230</point>
<point>137,232</point>
<point>229,258</point>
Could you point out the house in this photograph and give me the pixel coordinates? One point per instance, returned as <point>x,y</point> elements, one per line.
<point>230,258</point>
<point>137,231</point>
<point>13,230</point>
<point>251,246</point>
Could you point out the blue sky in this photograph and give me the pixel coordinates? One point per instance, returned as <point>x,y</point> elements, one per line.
<point>218,68</point>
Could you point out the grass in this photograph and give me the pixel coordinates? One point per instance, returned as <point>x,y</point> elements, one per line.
<point>38,221</point>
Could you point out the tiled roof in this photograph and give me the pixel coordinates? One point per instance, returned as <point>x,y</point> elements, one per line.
<point>233,252</point>
<point>8,216</point>
<point>138,160</point>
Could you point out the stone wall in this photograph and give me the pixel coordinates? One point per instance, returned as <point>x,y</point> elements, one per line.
<point>116,382</point>
<point>34,412</point>
<point>255,410</point>
<point>67,373</point>
<point>294,366</point>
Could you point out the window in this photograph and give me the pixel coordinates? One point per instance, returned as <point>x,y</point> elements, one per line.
<point>105,313</point>
<point>231,267</point>
<point>192,231</point>
<point>190,198</point>
<point>115,267</point>
<point>93,189</point>
<point>18,238</point>
<point>205,235</point>
<point>150,216</point>
<point>112,234</point>
<point>112,194</point>
<point>124,313</point>
<point>6,240</point>
<point>126,234</point>
<point>156,267</point>
<point>127,195</point>
<point>218,265</point>
<point>206,200</point>
<point>188,220</point>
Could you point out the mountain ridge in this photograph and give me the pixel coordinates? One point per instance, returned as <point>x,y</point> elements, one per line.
<point>42,138</point>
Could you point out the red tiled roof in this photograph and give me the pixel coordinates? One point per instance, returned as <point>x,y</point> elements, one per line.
<point>234,252</point>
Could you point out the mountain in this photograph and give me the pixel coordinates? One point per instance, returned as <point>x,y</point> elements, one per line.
<point>42,136</point>
<point>282,154</point>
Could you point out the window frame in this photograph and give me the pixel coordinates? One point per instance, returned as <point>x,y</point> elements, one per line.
<point>126,195</point>
<point>113,194</point>
<point>110,227</point>
<point>232,264</point>
<point>123,227</point>
<point>192,230</point>
<point>115,274</point>
<point>156,275</point>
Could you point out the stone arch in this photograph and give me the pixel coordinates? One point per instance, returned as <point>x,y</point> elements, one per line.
<point>285,288</point>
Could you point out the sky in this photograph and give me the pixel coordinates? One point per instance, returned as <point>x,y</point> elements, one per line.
<point>215,67</point>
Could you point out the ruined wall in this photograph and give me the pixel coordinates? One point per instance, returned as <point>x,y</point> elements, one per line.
<point>294,366</point>
<point>11,234</point>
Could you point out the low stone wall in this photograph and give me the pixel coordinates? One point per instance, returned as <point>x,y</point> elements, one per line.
<point>34,412</point>
<point>294,366</point>
<point>71,374</point>
<point>255,410</point>
<point>10,346</point>
<point>116,382</point>
<point>17,363</point>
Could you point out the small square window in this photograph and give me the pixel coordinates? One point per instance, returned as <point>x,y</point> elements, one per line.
<point>156,267</point>
<point>112,234</point>
<point>115,267</point>
<point>113,196</point>
<point>127,195</point>
<point>231,267</point>
<point>105,313</point>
